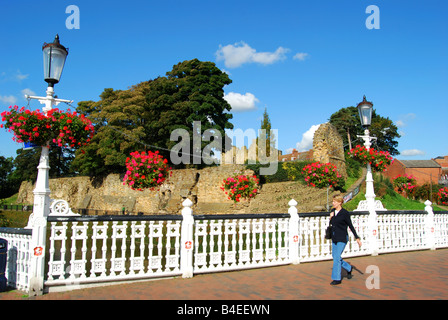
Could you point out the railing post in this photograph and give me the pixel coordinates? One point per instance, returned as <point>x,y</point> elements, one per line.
<point>186,240</point>
<point>430,234</point>
<point>373,232</point>
<point>293,232</point>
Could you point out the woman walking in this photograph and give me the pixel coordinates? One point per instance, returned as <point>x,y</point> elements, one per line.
<point>340,220</point>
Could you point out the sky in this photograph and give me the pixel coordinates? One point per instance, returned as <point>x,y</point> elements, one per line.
<point>300,60</point>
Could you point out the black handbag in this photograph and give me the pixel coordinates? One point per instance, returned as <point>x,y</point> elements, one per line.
<point>328,232</point>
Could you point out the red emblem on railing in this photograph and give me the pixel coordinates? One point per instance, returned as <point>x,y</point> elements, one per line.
<point>295,238</point>
<point>188,245</point>
<point>38,251</point>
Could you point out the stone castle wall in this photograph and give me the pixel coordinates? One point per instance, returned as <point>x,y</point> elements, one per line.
<point>328,147</point>
<point>201,186</point>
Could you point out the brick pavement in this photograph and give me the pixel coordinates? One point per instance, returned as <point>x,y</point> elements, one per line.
<point>403,276</point>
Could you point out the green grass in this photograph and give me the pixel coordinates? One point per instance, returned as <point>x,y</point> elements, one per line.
<point>389,198</point>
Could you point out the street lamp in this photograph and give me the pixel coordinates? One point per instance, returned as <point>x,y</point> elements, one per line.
<point>365,114</point>
<point>54,59</point>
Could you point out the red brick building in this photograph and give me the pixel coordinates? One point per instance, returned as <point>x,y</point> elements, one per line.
<point>423,170</point>
<point>296,155</point>
<point>443,161</point>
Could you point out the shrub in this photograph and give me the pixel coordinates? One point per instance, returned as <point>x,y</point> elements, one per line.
<point>240,187</point>
<point>146,170</point>
<point>322,175</point>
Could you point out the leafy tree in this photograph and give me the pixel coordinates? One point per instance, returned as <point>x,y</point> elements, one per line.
<point>347,122</point>
<point>6,165</point>
<point>144,116</point>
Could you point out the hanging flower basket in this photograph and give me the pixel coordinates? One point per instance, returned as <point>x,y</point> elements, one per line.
<point>378,160</point>
<point>65,128</point>
<point>322,175</point>
<point>442,195</point>
<point>240,187</point>
<point>146,170</point>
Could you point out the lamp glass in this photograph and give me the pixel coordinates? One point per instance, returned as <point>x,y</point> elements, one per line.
<point>54,60</point>
<point>365,113</point>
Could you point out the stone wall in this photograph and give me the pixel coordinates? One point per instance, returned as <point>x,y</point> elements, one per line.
<point>201,186</point>
<point>328,147</point>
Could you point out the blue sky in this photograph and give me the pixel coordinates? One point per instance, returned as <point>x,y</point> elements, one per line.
<point>302,60</point>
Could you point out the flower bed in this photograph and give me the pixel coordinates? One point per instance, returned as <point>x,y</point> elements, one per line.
<point>65,128</point>
<point>240,187</point>
<point>379,160</point>
<point>146,170</point>
<point>321,175</point>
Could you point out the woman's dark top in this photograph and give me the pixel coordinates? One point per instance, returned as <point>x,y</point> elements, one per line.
<point>340,223</point>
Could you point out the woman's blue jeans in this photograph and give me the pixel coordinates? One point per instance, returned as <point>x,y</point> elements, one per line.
<point>338,263</point>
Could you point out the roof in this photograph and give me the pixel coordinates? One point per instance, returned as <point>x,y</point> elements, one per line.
<point>420,164</point>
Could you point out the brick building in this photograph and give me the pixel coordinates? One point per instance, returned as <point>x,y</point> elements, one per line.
<point>296,155</point>
<point>443,161</point>
<point>423,170</point>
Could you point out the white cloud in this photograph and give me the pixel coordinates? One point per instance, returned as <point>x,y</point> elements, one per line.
<point>405,119</point>
<point>19,76</point>
<point>240,53</point>
<point>307,139</point>
<point>412,153</point>
<point>28,92</point>
<point>300,56</point>
<point>8,99</point>
<point>240,102</point>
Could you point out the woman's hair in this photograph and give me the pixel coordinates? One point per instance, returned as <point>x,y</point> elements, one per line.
<point>339,198</point>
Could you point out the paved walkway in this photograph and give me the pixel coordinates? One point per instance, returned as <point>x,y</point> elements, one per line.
<point>408,276</point>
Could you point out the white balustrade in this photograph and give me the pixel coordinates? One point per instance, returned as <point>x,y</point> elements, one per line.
<point>84,250</point>
<point>18,263</point>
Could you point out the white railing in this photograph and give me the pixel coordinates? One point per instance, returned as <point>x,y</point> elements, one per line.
<point>112,248</point>
<point>18,257</point>
<point>240,242</point>
<point>85,250</point>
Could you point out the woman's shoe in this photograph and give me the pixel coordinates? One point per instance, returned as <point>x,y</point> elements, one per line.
<point>335,282</point>
<point>349,274</point>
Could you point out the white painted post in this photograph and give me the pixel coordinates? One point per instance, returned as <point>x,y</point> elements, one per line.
<point>373,232</point>
<point>430,234</point>
<point>294,236</point>
<point>38,222</point>
<point>186,240</point>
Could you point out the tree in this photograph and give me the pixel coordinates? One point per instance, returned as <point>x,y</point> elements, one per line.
<point>347,122</point>
<point>6,165</point>
<point>269,138</point>
<point>144,116</point>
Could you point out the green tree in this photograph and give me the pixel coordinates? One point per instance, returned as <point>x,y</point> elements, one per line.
<point>6,166</point>
<point>347,122</point>
<point>144,116</point>
<point>269,136</point>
